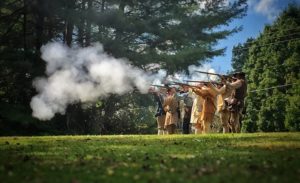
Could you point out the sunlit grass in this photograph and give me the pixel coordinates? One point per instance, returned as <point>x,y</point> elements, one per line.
<point>260,157</point>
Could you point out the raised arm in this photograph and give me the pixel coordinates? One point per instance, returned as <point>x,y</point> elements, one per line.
<point>236,84</point>
<point>218,90</point>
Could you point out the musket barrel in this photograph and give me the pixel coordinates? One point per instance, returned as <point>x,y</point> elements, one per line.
<point>210,73</point>
<point>158,86</point>
<point>192,81</point>
<point>220,75</point>
<point>183,84</point>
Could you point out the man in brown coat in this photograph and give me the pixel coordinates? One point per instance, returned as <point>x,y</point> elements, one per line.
<point>170,106</point>
<point>236,101</point>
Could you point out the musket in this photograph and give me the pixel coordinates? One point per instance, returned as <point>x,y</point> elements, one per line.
<point>160,86</point>
<point>215,74</point>
<point>204,82</point>
<point>184,84</point>
<point>166,86</point>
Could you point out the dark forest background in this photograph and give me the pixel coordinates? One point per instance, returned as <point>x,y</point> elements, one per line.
<point>171,33</point>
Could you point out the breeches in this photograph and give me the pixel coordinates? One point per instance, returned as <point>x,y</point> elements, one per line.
<point>225,116</point>
<point>161,121</point>
<point>186,126</point>
<point>235,122</point>
<point>171,118</point>
<point>171,128</point>
<point>205,123</point>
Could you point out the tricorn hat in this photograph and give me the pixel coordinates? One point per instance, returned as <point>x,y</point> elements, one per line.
<point>239,74</point>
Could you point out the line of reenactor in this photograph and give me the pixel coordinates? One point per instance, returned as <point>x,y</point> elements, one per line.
<point>193,107</point>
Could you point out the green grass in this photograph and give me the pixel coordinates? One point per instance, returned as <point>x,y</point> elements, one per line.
<point>260,157</point>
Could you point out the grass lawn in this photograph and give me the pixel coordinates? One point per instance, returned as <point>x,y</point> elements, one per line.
<point>259,157</point>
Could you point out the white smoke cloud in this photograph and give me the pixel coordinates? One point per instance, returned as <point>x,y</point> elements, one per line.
<point>161,74</point>
<point>82,75</point>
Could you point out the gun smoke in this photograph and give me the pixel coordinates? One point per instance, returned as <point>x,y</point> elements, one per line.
<point>82,75</point>
<point>87,74</point>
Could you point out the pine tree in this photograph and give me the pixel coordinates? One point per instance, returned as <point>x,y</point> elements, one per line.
<point>175,34</point>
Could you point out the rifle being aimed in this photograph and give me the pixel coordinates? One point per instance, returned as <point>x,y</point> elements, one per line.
<point>184,84</point>
<point>226,77</point>
<point>204,82</point>
<point>163,87</point>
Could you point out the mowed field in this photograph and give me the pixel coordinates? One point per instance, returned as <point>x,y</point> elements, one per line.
<point>258,157</point>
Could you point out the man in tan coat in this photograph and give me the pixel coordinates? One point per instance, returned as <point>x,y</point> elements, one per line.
<point>208,108</point>
<point>223,92</point>
<point>196,110</point>
<point>170,106</point>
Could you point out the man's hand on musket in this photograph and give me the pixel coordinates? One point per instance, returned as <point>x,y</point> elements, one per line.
<point>197,87</point>
<point>223,78</point>
<point>185,88</point>
<point>209,84</point>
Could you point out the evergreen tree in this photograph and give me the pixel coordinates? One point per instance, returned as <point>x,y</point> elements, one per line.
<point>273,60</point>
<point>240,55</point>
<point>175,34</point>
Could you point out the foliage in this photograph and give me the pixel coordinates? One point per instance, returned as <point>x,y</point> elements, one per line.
<point>174,34</point>
<point>240,55</point>
<point>273,60</point>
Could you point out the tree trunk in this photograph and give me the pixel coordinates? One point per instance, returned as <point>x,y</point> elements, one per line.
<point>69,32</point>
<point>69,24</point>
<point>100,27</point>
<point>39,25</point>
<point>80,38</point>
<point>25,29</point>
<point>88,25</point>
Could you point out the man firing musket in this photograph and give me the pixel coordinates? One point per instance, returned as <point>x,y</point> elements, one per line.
<point>231,102</point>
<point>166,115</point>
<point>159,97</point>
<point>236,101</point>
<point>204,121</point>
<point>185,100</point>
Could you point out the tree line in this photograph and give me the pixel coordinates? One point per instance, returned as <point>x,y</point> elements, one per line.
<point>272,64</point>
<point>173,34</point>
